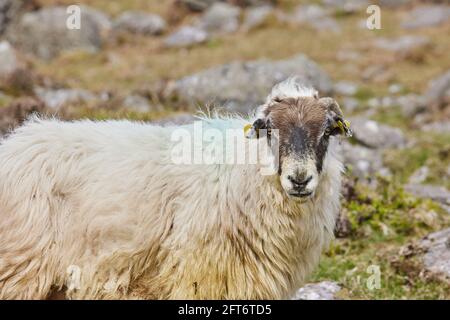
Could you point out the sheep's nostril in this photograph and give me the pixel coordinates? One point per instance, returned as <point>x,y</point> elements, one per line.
<point>298,182</point>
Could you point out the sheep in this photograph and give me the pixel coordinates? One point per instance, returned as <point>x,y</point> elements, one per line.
<point>99,210</point>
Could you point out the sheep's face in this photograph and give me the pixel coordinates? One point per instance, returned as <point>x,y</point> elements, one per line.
<point>303,126</point>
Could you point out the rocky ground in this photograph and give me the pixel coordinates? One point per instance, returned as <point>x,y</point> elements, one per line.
<point>159,61</point>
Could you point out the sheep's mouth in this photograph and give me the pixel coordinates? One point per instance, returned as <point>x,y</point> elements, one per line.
<point>300,194</point>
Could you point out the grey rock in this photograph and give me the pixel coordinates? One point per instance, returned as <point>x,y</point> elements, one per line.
<point>395,88</point>
<point>347,6</point>
<point>246,84</point>
<point>438,92</point>
<point>363,162</point>
<point>186,36</point>
<point>137,103</point>
<point>437,193</point>
<point>254,17</point>
<point>325,290</point>
<point>375,135</point>
<point>45,34</point>
<point>345,88</point>
<point>57,98</point>
<point>403,44</point>
<point>420,175</point>
<point>427,16</point>
<point>140,23</point>
<point>389,101</point>
<point>8,59</point>
<point>411,104</point>
<point>314,16</point>
<point>439,127</point>
<point>436,259</point>
<point>220,18</point>
<point>103,21</point>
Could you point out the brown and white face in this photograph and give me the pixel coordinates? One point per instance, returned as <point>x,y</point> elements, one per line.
<point>304,126</point>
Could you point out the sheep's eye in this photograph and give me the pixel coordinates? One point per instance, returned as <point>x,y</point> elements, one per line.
<point>328,131</point>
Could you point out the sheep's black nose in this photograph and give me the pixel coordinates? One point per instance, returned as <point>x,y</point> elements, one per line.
<point>298,183</point>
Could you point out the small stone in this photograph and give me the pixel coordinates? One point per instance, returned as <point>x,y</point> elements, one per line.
<point>325,290</point>
<point>427,16</point>
<point>220,18</point>
<point>436,258</point>
<point>439,127</point>
<point>8,59</point>
<point>254,17</point>
<point>402,45</point>
<point>438,93</point>
<point>411,104</point>
<point>420,175</point>
<point>57,98</point>
<point>140,23</point>
<point>364,162</point>
<point>375,135</point>
<point>137,103</point>
<point>314,16</point>
<point>437,193</point>
<point>395,88</point>
<point>186,36</point>
<point>103,21</point>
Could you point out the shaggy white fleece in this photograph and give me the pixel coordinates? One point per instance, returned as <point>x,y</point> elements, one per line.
<point>100,208</point>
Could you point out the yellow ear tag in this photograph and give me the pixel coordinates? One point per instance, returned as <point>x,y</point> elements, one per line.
<point>247,127</point>
<point>344,127</point>
<point>341,126</point>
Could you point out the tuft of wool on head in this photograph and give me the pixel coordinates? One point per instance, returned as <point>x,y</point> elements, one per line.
<point>291,88</point>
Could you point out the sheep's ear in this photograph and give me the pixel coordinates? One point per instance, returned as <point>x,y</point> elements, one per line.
<point>253,131</point>
<point>337,123</point>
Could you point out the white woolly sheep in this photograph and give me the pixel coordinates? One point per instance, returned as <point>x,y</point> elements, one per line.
<point>100,210</point>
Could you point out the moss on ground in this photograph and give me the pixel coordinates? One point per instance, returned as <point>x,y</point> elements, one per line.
<point>382,221</point>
